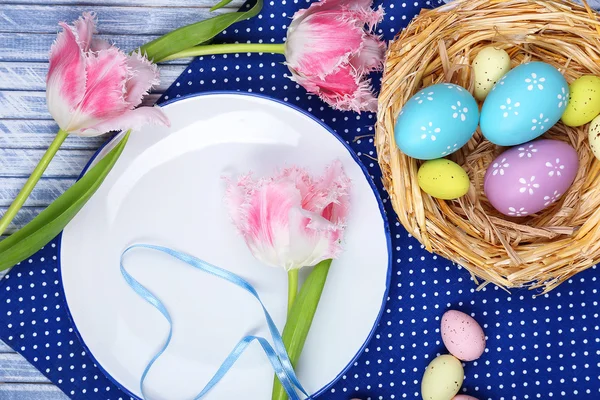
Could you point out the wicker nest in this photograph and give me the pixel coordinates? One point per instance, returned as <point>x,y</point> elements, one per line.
<point>539,251</point>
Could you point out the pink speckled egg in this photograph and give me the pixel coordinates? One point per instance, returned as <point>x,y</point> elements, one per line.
<point>530,177</point>
<point>462,335</point>
<point>463,397</point>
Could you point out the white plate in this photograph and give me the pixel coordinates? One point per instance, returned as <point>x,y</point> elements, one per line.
<point>167,189</point>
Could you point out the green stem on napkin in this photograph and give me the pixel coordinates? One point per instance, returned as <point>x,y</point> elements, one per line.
<point>32,181</point>
<point>300,319</point>
<point>228,48</point>
<point>292,288</point>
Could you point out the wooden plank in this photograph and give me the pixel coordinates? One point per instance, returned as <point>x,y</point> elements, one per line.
<point>25,215</point>
<point>34,47</point>
<point>32,105</point>
<point>43,391</point>
<point>15,369</point>
<point>111,20</point>
<point>21,162</point>
<point>4,348</point>
<point>38,134</point>
<point>32,76</point>
<point>46,191</point>
<point>138,3</point>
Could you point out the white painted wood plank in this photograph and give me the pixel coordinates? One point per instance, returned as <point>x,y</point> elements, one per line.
<point>38,134</point>
<point>46,191</point>
<point>32,76</point>
<point>21,162</point>
<point>4,348</point>
<point>42,391</point>
<point>32,105</point>
<point>134,3</point>
<point>15,369</point>
<point>111,20</point>
<point>25,215</point>
<point>35,46</point>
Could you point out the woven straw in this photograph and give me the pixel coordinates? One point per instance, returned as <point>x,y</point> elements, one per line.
<point>539,251</point>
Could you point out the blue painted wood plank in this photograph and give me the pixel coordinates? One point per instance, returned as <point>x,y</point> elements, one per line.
<point>38,134</point>
<point>21,162</point>
<point>32,76</point>
<point>4,348</point>
<point>46,191</point>
<point>25,215</point>
<point>31,392</point>
<point>111,20</point>
<point>15,369</point>
<point>32,105</point>
<point>129,3</point>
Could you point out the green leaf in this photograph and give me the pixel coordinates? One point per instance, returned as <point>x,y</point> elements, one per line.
<point>50,222</point>
<point>220,4</point>
<point>194,34</point>
<point>300,319</point>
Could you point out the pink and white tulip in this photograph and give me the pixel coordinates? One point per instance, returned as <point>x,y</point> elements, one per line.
<point>93,87</point>
<point>330,50</point>
<point>291,220</point>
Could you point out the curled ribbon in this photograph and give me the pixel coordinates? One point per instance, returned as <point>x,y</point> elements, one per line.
<point>276,354</point>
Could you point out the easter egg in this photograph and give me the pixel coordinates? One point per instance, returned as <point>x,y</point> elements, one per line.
<point>462,335</point>
<point>584,101</point>
<point>443,179</point>
<point>463,397</point>
<point>436,122</point>
<point>594,136</point>
<point>524,104</point>
<point>442,379</point>
<point>489,65</point>
<point>528,178</point>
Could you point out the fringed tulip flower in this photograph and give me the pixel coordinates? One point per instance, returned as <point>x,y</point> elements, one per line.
<point>291,220</point>
<point>93,87</point>
<point>330,50</point>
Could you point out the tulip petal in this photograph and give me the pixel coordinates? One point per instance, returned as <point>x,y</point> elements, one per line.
<point>66,80</point>
<point>143,75</point>
<point>370,57</point>
<point>131,119</point>
<point>105,89</point>
<point>85,27</point>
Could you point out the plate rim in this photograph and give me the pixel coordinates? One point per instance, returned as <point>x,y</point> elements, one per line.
<point>356,159</point>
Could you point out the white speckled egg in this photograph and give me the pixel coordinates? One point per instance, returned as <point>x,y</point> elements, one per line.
<point>489,65</point>
<point>436,122</point>
<point>442,378</point>
<point>594,136</point>
<point>462,335</point>
<point>524,104</point>
<point>528,178</point>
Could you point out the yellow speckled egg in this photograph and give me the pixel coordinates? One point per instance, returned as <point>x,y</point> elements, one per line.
<point>443,179</point>
<point>594,136</point>
<point>442,378</point>
<point>489,65</point>
<point>584,101</point>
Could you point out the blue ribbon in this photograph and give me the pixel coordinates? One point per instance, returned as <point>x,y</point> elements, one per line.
<point>277,355</point>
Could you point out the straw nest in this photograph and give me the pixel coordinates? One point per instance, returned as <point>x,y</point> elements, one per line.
<point>539,251</point>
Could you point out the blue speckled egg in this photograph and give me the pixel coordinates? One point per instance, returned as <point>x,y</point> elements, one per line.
<point>436,121</point>
<point>524,104</point>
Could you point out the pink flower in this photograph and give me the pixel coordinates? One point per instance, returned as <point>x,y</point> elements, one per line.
<point>291,220</point>
<point>93,87</point>
<point>330,49</point>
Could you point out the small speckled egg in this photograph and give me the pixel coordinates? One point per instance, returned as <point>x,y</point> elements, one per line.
<point>436,122</point>
<point>584,101</point>
<point>528,178</point>
<point>462,335</point>
<point>489,65</point>
<point>594,136</point>
<point>524,104</point>
<point>443,179</point>
<point>463,397</point>
<point>442,379</point>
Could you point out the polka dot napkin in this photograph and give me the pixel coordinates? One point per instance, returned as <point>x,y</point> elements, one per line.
<point>538,347</point>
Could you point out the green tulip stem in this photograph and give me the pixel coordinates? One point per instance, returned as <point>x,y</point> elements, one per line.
<point>292,287</point>
<point>211,49</point>
<point>32,181</point>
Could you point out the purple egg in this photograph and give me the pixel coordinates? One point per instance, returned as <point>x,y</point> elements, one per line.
<point>530,177</point>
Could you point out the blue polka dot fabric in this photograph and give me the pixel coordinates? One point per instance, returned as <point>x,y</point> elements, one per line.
<point>538,347</point>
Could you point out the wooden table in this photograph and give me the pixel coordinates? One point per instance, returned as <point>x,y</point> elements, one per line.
<point>27,29</point>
